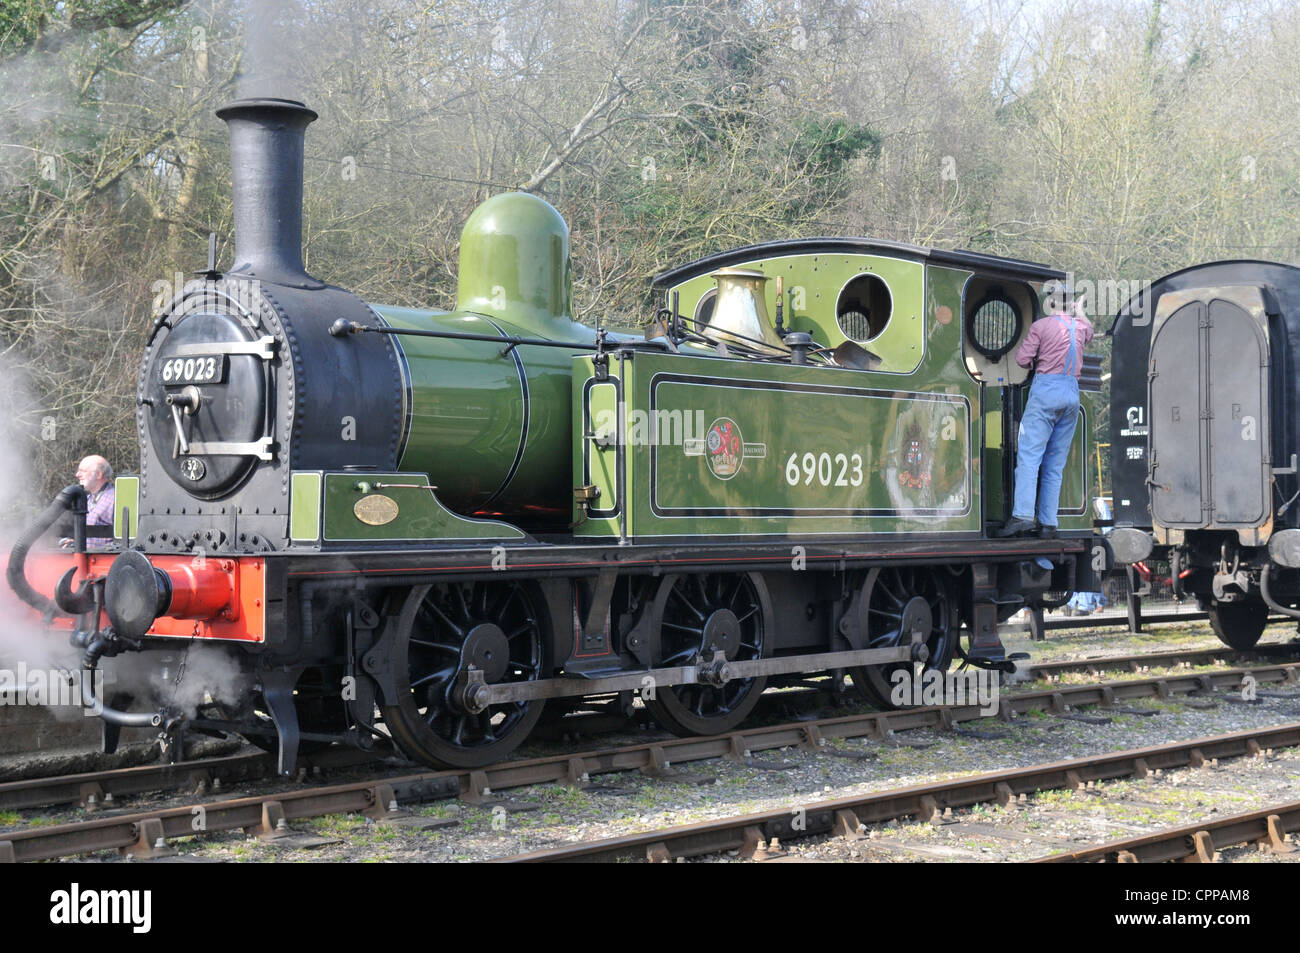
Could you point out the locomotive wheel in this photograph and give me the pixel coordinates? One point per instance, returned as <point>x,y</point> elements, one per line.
<point>497,627</point>
<point>1238,624</point>
<point>899,599</point>
<point>700,615</point>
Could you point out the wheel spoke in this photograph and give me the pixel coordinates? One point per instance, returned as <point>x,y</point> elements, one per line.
<point>887,638</point>
<point>437,646</point>
<point>485,727</point>
<point>885,590</point>
<point>433,728</point>
<point>687,603</point>
<point>742,618</point>
<point>465,614</point>
<point>433,607</point>
<point>499,612</point>
<point>441,675</point>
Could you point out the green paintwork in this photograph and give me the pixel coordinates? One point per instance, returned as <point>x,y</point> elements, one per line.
<point>878,416</point>
<point>304,507</point>
<point>468,415</point>
<point>949,286</point>
<point>1074,481</point>
<point>514,265</point>
<point>602,459</point>
<point>812,287</point>
<point>494,445</point>
<point>126,495</point>
<point>878,451</point>
<point>929,436</point>
<point>420,515</point>
<point>911,472</point>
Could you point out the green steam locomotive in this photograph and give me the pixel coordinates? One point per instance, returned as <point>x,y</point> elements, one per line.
<point>430,525</point>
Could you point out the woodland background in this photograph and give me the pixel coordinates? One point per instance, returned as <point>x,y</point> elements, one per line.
<point>1117,140</point>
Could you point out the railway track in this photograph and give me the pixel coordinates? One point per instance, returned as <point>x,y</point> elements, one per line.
<point>106,789</point>
<point>270,812</point>
<point>1268,828</point>
<point>1144,661</point>
<point>759,836</point>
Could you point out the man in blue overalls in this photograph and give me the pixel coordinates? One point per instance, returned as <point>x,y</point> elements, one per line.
<point>1054,346</point>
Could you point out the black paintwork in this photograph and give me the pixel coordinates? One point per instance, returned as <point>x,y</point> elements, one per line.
<point>325,401</point>
<point>1131,333</point>
<point>266,155</point>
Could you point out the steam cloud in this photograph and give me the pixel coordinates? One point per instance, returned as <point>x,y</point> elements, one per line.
<point>274,34</point>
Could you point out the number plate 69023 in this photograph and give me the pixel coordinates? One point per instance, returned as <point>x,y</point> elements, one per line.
<point>199,369</point>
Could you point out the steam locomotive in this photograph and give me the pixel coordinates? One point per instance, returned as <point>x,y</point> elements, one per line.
<point>426,525</point>
<point>1205,437</point>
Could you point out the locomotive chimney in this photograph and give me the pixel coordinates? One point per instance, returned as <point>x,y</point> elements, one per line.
<point>266,156</point>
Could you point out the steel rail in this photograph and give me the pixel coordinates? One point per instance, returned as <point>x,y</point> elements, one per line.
<point>1136,662</point>
<point>201,774</point>
<point>1266,827</point>
<point>846,817</point>
<point>656,758</point>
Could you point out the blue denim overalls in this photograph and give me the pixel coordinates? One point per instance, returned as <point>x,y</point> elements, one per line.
<point>1046,430</point>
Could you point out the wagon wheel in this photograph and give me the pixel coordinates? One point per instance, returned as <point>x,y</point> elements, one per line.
<point>1238,624</point>
<point>497,627</point>
<point>899,600</point>
<point>698,616</point>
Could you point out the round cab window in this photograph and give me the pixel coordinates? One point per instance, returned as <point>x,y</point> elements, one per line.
<point>864,308</point>
<point>994,326</point>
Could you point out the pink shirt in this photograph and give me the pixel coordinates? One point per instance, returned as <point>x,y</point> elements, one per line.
<point>100,510</point>
<point>1048,343</point>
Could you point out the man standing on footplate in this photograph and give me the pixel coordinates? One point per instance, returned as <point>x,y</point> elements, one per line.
<point>1054,348</point>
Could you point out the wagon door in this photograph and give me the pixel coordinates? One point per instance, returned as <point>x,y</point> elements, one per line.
<point>1208,401</point>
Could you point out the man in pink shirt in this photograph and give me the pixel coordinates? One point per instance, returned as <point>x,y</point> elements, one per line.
<point>96,476</point>
<point>1054,347</point>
